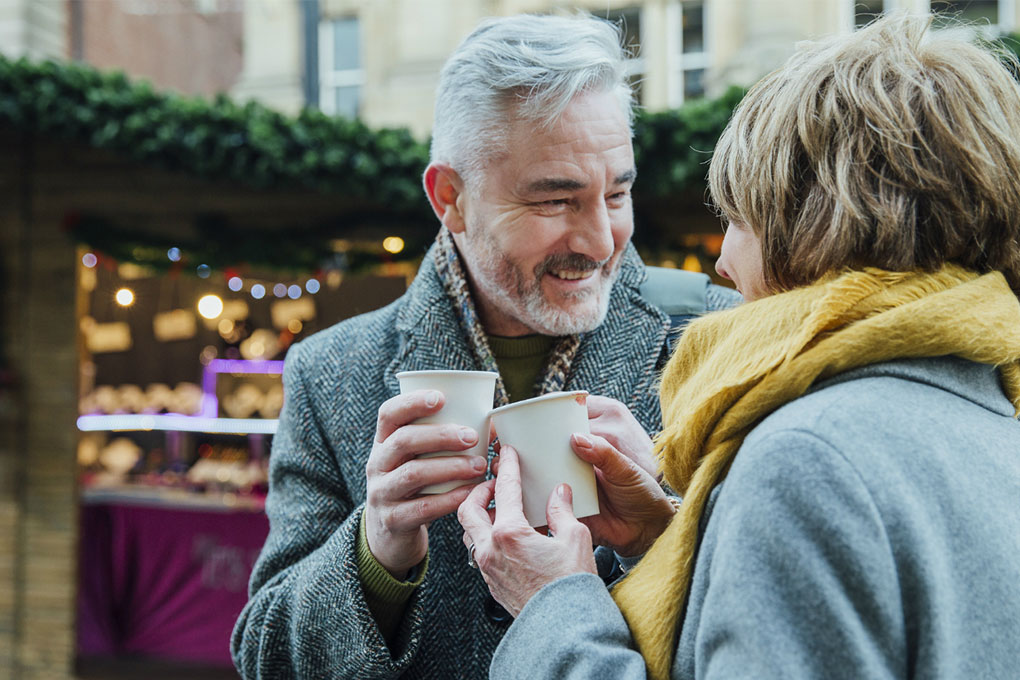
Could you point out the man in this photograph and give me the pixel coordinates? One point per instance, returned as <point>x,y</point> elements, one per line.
<point>532,275</point>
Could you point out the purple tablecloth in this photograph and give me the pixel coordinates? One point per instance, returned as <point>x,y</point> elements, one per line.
<point>164,582</point>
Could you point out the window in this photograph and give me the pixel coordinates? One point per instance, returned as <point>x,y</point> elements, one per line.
<point>693,57</point>
<point>629,21</point>
<point>866,11</point>
<point>340,73</point>
<point>980,12</point>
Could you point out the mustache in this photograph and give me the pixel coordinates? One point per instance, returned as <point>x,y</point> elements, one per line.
<point>572,261</point>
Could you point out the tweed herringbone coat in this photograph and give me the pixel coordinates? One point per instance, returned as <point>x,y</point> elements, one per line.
<point>307,616</point>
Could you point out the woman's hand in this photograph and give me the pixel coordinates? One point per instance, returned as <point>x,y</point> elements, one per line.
<point>633,508</point>
<point>515,560</point>
<point>614,422</point>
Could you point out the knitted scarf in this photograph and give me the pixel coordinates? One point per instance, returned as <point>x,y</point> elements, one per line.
<point>734,368</point>
<point>455,282</point>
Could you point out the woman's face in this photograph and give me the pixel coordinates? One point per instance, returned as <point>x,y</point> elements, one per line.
<point>740,261</point>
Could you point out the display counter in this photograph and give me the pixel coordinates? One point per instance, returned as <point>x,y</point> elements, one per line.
<point>163,573</point>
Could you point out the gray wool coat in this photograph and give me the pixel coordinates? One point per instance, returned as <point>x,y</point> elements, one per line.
<point>869,529</point>
<point>307,616</point>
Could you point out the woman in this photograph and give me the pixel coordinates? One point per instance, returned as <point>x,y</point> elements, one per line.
<point>847,442</point>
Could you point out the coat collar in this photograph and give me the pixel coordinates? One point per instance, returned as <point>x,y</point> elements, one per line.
<point>619,357</point>
<point>978,383</point>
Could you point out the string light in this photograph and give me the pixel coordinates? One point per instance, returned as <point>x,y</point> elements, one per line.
<point>89,260</point>
<point>235,283</point>
<point>258,291</point>
<point>125,297</point>
<point>203,271</point>
<point>393,244</point>
<point>294,292</point>
<point>280,290</point>
<point>174,254</point>
<point>210,306</point>
<point>312,286</point>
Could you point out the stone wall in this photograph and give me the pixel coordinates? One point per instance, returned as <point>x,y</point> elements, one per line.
<point>38,504</point>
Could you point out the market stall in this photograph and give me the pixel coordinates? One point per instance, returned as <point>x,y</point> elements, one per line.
<point>181,391</point>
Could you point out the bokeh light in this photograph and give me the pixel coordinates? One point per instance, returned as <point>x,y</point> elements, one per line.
<point>393,244</point>
<point>125,297</point>
<point>210,306</point>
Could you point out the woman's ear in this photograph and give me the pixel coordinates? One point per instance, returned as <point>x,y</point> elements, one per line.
<point>445,189</point>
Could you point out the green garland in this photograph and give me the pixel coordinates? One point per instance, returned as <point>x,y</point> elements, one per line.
<point>218,139</point>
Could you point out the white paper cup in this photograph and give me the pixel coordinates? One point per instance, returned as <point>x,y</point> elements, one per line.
<point>469,396</point>
<point>539,429</point>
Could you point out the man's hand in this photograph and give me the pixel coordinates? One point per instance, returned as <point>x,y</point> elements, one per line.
<point>515,560</point>
<point>633,508</point>
<point>614,422</point>
<point>396,517</point>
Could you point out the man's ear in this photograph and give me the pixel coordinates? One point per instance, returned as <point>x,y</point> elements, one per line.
<point>445,189</point>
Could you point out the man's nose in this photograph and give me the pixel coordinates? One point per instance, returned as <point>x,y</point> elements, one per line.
<point>592,233</point>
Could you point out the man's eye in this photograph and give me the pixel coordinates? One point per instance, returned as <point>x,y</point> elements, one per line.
<point>618,197</point>
<point>556,202</point>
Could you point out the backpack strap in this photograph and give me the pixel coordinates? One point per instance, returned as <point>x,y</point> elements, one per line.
<point>680,294</point>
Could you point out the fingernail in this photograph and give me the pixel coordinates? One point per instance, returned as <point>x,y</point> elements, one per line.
<point>562,489</point>
<point>432,398</point>
<point>467,435</point>
<point>582,440</point>
<point>479,463</point>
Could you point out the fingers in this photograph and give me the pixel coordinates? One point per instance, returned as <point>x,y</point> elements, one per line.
<point>473,513</point>
<point>559,510</point>
<point>612,420</point>
<point>599,452</point>
<point>410,441</point>
<point>475,517</point>
<point>412,513</point>
<point>408,479</point>
<point>509,503</point>
<point>598,406</point>
<point>405,408</point>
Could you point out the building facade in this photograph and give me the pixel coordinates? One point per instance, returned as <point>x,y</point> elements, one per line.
<point>379,59</point>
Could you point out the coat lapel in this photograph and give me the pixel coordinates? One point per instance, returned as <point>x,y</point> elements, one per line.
<point>430,334</point>
<point>622,357</point>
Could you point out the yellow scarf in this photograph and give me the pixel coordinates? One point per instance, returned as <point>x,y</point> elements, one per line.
<point>733,368</point>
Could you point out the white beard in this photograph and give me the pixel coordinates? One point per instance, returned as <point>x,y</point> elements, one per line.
<point>504,285</point>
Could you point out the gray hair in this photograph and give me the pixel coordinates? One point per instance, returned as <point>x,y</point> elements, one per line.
<point>527,66</point>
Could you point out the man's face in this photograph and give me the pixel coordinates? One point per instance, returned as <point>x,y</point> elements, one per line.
<point>546,223</point>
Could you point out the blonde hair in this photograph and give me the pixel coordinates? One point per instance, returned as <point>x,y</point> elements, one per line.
<point>892,147</point>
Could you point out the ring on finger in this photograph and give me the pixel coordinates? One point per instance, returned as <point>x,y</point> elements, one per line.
<point>471,557</point>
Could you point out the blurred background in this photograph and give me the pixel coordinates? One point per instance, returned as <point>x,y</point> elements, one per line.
<point>187,187</point>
